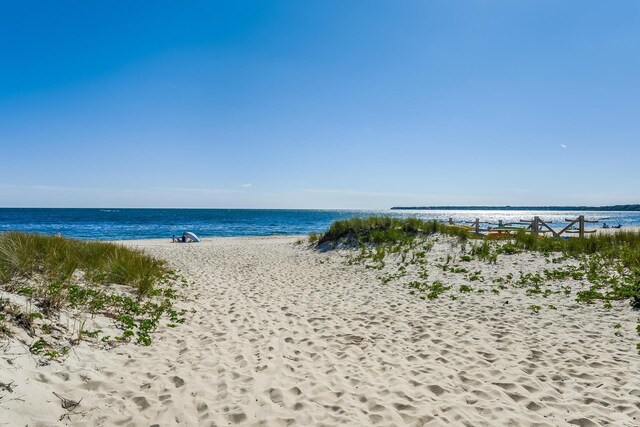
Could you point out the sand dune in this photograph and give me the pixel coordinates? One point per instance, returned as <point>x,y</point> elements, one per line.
<point>283,335</point>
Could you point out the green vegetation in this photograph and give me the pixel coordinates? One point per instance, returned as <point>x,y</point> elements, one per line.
<point>38,346</point>
<point>386,230</point>
<point>24,255</point>
<point>622,249</point>
<point>507,249</point>
<point>535,308</point>
<point>429,290</point>
<point>484,252</point>
<point>604,267</point>
<point>475,276</point>
<point>622,246</point>
<point>55,273</point>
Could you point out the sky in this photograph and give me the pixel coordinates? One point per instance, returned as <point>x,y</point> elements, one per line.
<point>319,104</point>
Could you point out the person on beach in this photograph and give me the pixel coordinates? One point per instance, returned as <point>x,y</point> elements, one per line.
<point>182,239</point>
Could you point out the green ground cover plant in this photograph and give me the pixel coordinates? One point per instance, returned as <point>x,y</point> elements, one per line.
<point>608,265</point>
<point>88,278</point>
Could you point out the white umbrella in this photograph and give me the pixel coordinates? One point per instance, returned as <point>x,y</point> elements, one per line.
<point>192,236</point>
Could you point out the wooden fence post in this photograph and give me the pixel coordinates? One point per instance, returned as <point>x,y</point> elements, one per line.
<point>581,222</point>
<point>477,226</point>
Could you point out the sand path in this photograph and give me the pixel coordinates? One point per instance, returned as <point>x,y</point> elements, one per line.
<point>282,335</point>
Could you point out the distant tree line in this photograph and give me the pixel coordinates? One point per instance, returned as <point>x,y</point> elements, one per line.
<point>524,208</point>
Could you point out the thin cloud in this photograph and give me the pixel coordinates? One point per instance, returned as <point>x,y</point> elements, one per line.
<point>190,190</point>
<point>366,193</point>
<point>152,190</point>
<point>247,185</point>
<point>563,146</point>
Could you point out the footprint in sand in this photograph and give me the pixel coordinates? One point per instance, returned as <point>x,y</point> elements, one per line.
<point>141,402</point>
<point>177,381</point>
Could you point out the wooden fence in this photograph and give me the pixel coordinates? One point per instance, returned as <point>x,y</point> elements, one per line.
<point>536,226</point>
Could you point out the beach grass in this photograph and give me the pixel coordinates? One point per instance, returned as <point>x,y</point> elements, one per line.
<point>23,255</point>
<point>623,246</point>
<point>607,270</point>
<point>87,278</point>
<point>612,261</point>
<point>379,230</point>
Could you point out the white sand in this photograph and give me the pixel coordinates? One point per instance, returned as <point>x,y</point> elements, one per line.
<point>631,228</point>
<point>283,335</point>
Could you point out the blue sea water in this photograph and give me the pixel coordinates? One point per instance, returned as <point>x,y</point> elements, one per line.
<point>120,224</point>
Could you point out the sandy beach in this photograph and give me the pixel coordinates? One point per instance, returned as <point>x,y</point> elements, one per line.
<point>280,334</point>
<point>320,214</point>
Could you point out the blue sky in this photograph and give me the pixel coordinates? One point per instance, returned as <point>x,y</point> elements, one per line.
<point>319,104</point>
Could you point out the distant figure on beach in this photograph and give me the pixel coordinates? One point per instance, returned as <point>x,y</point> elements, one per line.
<point>187,236</point>
<point>604,225</point>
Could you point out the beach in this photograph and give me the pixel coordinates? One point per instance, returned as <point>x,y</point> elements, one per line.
<point>279,333</point>
<point>320,214</point>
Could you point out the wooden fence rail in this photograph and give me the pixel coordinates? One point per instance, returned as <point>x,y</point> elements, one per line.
<point>536,226</point>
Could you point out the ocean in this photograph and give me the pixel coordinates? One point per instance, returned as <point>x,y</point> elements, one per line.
<point>121,224</point>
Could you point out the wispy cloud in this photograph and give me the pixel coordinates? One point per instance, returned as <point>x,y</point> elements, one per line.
<point>368,193</point>
<point>563,146</point>
<point>52,188</point>
<point>247,185</point>
<point>192,190</point>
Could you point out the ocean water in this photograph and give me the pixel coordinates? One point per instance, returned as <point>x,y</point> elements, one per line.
<point>119,224</point>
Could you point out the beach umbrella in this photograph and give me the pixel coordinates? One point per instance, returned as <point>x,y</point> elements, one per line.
<point>191,236</point>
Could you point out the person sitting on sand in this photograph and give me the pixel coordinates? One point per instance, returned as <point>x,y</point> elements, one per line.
<point>182,239</point>
<point>604,225</point>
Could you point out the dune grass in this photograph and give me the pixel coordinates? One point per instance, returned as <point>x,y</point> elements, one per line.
<point>608,264</point>
<point>600,252</point>
<point>53,273</point>
<point>380,230</point>
<point>623,246</point>
<point>24,255</point>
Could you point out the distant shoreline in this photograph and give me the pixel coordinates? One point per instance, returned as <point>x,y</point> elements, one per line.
<point>615,208</point>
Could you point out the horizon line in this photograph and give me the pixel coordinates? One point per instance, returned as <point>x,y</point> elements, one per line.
<point>426,207</point>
